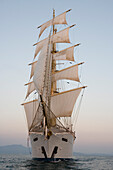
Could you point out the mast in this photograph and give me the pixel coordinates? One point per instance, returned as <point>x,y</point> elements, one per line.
<point>50,86</point>
<point>53,86</point>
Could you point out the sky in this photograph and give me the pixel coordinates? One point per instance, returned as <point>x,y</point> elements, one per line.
<point>94,30</point>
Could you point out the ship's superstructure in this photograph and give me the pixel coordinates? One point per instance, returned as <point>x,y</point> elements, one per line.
<point>49,113</point>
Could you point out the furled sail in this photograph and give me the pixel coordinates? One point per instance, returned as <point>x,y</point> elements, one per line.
<point>60,19</point>
<point>62,103</point>
<point>59,37</point>
<point>70,73</point>
<point>30,110</point>
<point>31,88</point>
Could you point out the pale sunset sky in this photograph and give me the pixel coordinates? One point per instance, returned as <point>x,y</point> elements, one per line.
<point>94,30</point>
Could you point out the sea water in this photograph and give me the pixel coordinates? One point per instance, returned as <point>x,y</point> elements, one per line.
<point>85,162</point>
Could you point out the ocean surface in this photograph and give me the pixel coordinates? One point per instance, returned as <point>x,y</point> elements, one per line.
<point>24,162</point>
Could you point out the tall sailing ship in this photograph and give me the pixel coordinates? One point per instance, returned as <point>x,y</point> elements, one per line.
<point>50,115</point>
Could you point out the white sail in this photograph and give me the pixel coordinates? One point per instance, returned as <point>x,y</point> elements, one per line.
<point>30,110</point>
<point>40,45</point>
<point>73,72</point>
<point>33,65</point>
<point>66,54</point>
<point>62,103</point>
<point>38,119</point>
<point>70,73</point>
<point>39,72</point>
<point>60,19</point>
<point>59,37</point>
<point>31,88</point>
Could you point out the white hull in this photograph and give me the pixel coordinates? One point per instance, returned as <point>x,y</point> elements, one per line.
<point>59,145</point>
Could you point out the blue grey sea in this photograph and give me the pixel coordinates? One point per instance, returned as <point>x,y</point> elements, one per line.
<point>85,162</point>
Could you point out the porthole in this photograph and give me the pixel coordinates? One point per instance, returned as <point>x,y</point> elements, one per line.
<point>35,139</point>
<point>64,139</point>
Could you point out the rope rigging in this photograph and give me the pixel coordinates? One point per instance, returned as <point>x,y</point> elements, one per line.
<point>45,93</point>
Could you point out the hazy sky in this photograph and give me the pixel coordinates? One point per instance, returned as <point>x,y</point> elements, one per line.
<point>94,30</point>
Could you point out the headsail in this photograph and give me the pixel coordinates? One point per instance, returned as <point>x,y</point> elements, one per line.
<point>39,72</point>
<point>30,110</point>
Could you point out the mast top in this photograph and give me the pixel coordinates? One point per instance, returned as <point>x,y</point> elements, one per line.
<point>53,13</point>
